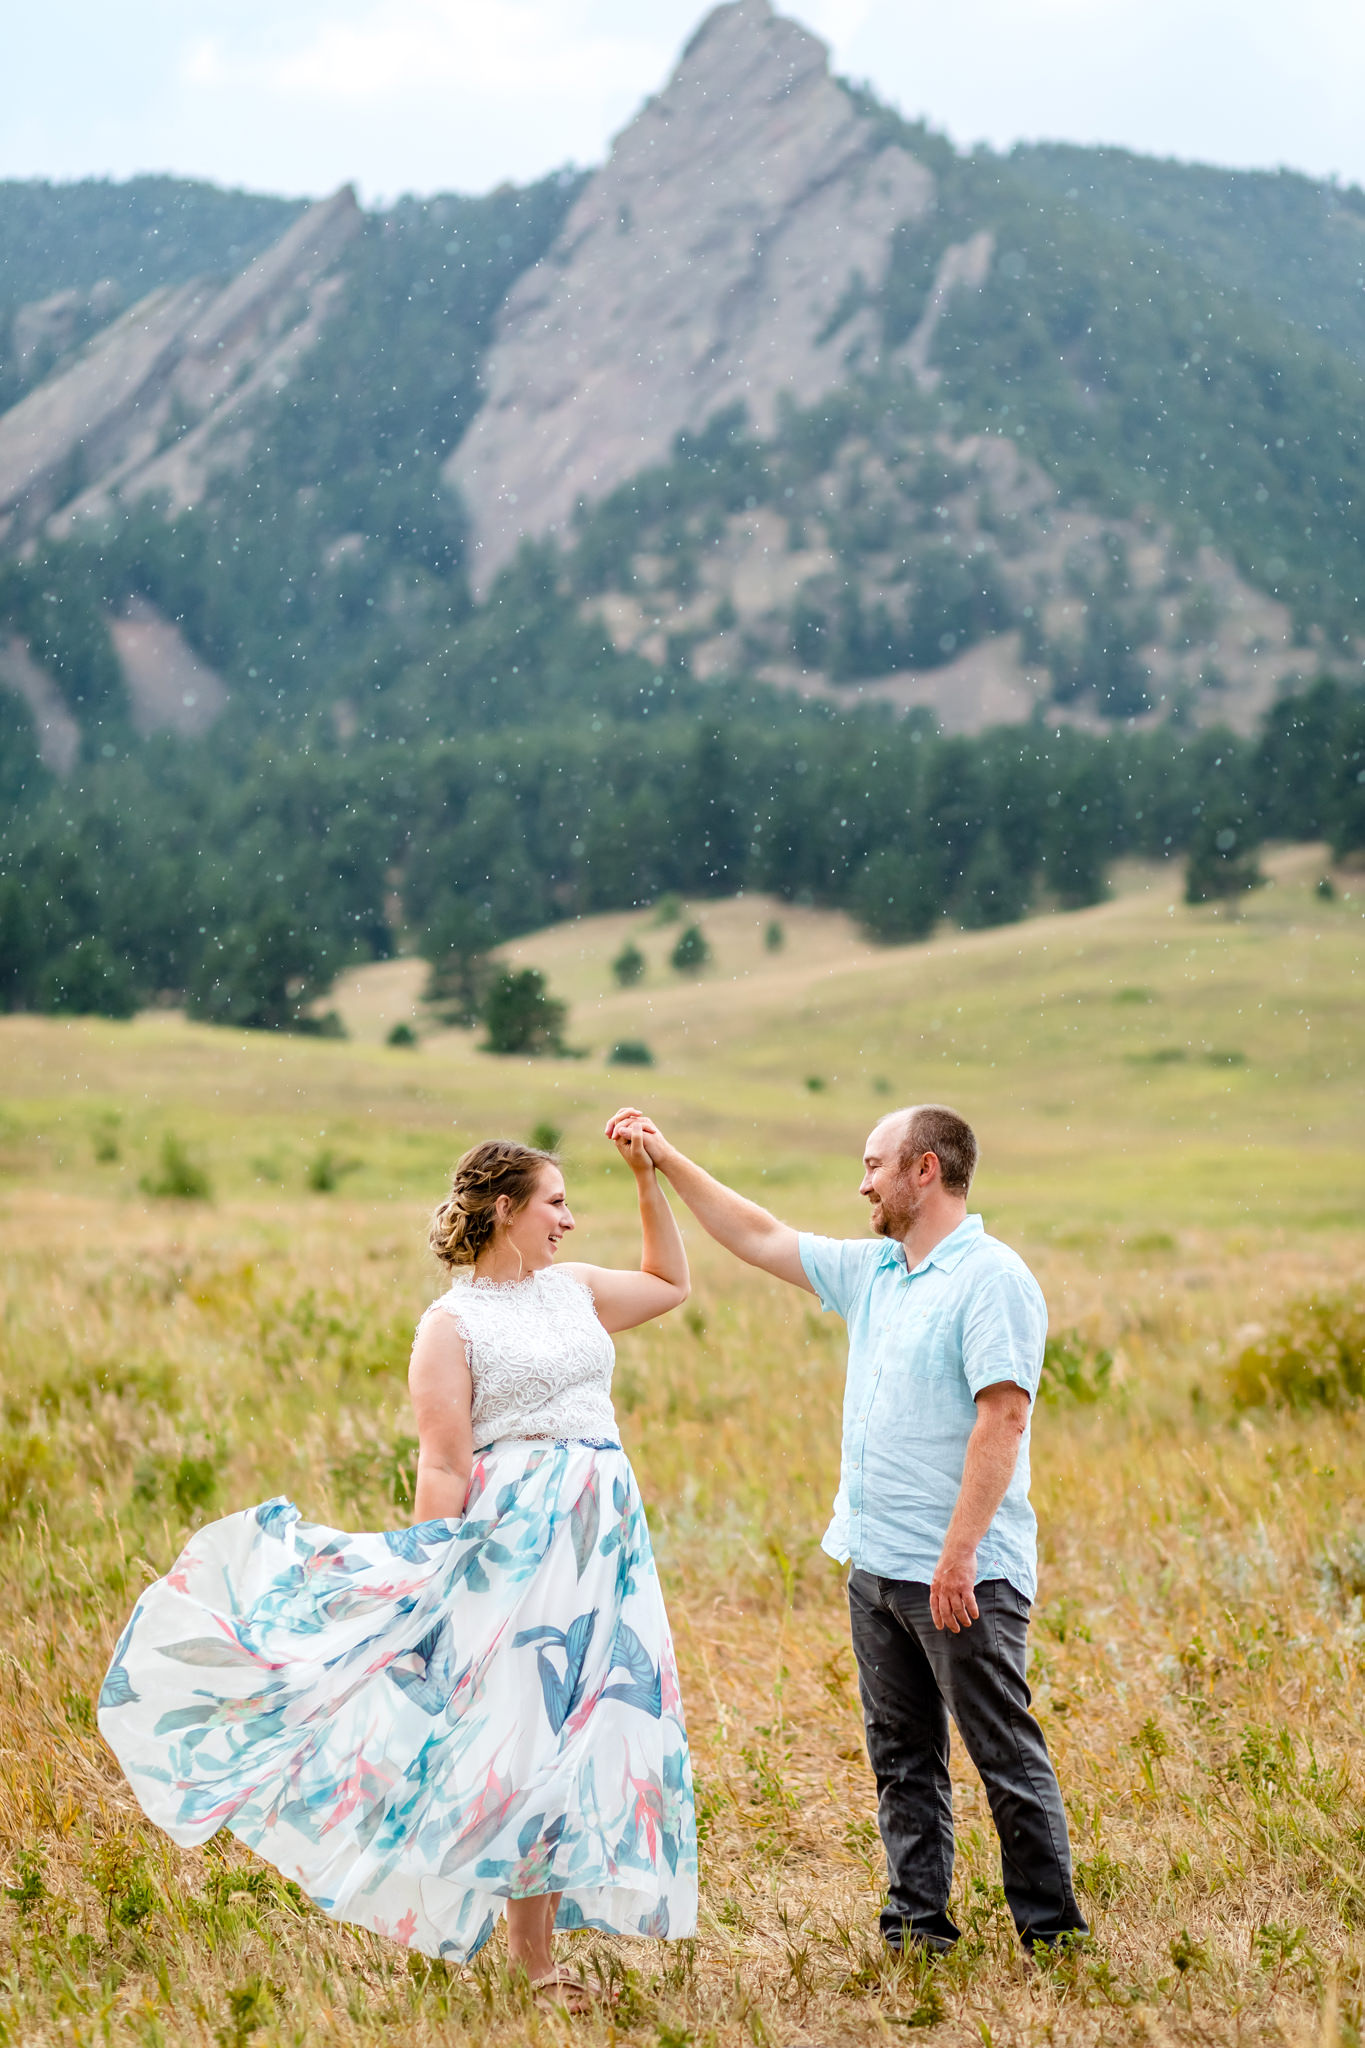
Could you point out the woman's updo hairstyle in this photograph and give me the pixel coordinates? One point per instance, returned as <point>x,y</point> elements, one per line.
<point>464,1224</point>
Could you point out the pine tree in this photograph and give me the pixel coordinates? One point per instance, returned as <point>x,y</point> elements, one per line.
<point>521,1016</point>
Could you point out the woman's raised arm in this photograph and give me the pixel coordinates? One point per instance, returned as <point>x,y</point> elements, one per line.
<point>624,1300</point>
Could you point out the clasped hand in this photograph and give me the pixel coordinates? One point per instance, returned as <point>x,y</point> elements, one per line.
<point>636,1137</point>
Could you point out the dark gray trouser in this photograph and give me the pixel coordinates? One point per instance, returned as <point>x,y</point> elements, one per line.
<point>912,1677</point>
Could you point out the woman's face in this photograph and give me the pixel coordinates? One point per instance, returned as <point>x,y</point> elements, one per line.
<point>535,1231</point>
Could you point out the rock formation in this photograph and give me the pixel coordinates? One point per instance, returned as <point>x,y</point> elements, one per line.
<point>156,399</point>
<point>721,254</point>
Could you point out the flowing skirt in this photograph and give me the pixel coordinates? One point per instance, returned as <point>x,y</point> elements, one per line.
<point>419,1725</point>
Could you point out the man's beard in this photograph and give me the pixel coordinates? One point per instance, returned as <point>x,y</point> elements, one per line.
<point>896,1216</point>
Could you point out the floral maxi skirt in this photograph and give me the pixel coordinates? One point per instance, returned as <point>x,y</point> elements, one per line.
<point>419,1725</point>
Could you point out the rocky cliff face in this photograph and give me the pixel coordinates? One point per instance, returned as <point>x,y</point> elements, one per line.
<point>720,255</point>
<point>158,397</point>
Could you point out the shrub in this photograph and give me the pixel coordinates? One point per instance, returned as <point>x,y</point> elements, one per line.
<point>629,965</point>
<point>104,1138</point>
<point>692,952</point>
<point>630,1052</point>
<point>774,938</point>
<point>189,1482</point>
<point>402,1035</point>
<point>327,1169</point>
<point>520,1015</point>
<point>1313,1358</point>
<point>118,1872</point>
<point>1074,1370</point>
<point>330,1024</point>
<point>667,910</point>
<point>545,1136</point>
<point>179,1177</point>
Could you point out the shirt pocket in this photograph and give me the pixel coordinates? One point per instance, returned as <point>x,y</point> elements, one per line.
<point>920,1343</point>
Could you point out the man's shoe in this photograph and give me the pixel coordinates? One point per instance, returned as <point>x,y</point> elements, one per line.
<point>915,1943</point>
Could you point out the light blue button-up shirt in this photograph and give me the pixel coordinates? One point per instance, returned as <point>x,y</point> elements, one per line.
<point>921,1346</point>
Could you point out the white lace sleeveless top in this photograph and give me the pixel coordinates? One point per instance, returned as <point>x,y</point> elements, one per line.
<point>540,1360</point>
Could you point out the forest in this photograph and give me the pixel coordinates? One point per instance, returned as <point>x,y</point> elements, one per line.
<point>243,886</point>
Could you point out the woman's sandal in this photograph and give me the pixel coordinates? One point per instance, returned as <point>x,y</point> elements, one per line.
<point>562,1988</point>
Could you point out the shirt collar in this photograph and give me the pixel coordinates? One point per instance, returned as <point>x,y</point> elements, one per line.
<point>947,1253</point>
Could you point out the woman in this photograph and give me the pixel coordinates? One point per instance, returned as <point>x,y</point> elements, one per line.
<point>479,1712</point>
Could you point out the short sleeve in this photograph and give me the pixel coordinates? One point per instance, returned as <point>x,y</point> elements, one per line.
<point>1004,1331</point>
<point>445,1307</point>
<point>838,1267</point>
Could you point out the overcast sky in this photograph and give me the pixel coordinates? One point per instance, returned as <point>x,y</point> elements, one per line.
<point>298,96</point>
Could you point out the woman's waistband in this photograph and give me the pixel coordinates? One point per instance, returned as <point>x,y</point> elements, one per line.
<point>582,1443</point>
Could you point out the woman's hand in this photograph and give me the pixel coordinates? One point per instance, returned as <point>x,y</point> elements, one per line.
<point>631,1124</point>
<point>628,1136</point>
<point>663,1282</point>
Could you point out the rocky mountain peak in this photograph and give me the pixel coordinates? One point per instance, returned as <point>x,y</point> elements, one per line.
<point>155,399</point>
<point>717,257</point>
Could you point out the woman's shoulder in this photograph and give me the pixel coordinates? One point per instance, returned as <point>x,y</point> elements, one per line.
<point>452,1305</point>
<point>571,1281</point>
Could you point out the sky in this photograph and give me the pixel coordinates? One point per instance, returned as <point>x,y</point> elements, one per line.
<point>299,96</point>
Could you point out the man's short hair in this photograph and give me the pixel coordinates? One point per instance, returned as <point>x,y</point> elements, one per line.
<point>932,1128</point>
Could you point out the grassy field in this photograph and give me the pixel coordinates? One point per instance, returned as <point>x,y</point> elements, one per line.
<point>1171,1113</point>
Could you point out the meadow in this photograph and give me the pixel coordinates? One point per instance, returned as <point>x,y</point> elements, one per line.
<point>211,1259</point>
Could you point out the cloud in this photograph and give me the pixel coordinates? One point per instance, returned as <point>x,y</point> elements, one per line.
<point>513,49</point>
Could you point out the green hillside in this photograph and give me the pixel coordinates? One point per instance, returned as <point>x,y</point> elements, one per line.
<point>1294,243</point>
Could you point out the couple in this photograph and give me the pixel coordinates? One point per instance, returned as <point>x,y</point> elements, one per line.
<point>480,1713</point>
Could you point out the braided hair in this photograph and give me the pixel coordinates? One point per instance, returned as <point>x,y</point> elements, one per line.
<point>464,1224</point>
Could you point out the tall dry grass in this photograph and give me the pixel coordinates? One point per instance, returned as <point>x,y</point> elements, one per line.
<point>1198,1652</point>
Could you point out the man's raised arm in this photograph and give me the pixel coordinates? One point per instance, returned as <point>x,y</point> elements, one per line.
<point>741,1226</point>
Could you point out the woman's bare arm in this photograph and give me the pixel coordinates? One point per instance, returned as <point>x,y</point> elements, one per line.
<point>442,1398</point>
<point>740,1225</point>
<point>625,1299</point>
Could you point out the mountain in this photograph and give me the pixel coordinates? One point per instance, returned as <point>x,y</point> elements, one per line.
<point>145,410</point>
<point>791,390</point>
<point>720,257</point>
<point>73,254</point>
<point>791,503</point>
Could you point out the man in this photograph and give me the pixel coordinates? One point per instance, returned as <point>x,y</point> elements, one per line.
<point>946,1328</point>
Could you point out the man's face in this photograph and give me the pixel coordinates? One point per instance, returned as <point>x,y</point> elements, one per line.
<point>895,1199</point>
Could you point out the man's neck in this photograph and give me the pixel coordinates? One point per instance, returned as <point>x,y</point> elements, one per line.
<point>935,1221</point>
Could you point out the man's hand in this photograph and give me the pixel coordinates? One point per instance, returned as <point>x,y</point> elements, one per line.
<point>1002,1412</point>
<point>952,1601</point>
<point>630,1127</point>
<point>740,1225</point>
<point>629,1140</point>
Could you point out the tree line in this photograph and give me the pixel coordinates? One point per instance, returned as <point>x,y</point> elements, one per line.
<point>241,890</point>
